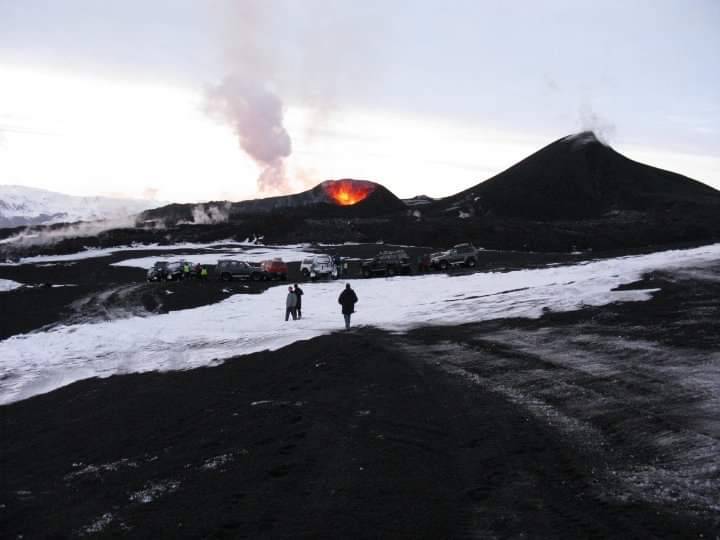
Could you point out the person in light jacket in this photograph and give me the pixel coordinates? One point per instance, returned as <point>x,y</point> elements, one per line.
<point>291,304</point>
<point>347,300</point>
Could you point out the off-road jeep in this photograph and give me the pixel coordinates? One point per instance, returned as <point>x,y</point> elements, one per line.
<point>387,263</point>
<point>319,266</point>
<point>275,269</point>
<point>229,269</point>
<point>460,255</point>
<point>166,271</point>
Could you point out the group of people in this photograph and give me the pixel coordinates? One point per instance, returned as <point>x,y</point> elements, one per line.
<point>293,303</point>
<point>198,271</point>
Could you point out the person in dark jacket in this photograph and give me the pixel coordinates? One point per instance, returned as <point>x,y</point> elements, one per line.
<point>347,300</point>
<point>298,308</point>
<point>291,304</point>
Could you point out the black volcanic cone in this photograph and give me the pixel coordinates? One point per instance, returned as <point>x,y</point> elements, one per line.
<point>315,203</point>
<point>578,177</point>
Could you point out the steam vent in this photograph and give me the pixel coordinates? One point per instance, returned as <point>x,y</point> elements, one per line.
<point>348,192</point>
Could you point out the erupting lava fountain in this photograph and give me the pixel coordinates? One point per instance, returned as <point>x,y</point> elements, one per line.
<point>348,192</point>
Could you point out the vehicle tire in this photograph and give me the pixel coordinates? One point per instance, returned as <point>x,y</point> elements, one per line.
<point>306,273</point>
<point>391,271</point>
<point>444,265</point>
<point>471,262</point>
<point>366,273</point>
<point>226,276</point>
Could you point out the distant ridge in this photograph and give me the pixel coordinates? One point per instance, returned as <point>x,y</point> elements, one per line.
<point>24,206</point>
<point>314,202</point>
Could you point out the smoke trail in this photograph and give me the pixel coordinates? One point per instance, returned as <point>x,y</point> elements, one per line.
<point>256,115</point>
<point>590,121</point>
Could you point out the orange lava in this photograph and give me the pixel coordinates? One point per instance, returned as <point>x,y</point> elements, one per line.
<point>348,192</point>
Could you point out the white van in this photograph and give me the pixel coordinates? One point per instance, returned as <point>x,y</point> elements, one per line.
<point>319,266</point>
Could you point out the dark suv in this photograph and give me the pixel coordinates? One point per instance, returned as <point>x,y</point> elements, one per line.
<point>387,263</point>
<point>460,255</point>
<point>166,271</point>
<point>229,269</point>
<point>158,271</point>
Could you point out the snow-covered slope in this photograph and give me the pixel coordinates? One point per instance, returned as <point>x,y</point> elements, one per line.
<point>20,205</point>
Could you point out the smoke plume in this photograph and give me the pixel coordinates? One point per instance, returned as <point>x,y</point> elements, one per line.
<point>256,115</point>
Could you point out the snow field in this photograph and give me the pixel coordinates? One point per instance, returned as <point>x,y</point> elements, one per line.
<point>40,362</point>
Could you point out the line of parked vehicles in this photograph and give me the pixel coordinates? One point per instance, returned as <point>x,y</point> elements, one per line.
<point>391,263</point>
<point>225,270</point>
<point>320,266</point>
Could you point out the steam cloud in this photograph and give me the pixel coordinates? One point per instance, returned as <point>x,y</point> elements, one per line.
<point>52,234</point>
<point>280,51</point>
<point>591,121</point>
<point>256,115</point>
<point>209,215</point>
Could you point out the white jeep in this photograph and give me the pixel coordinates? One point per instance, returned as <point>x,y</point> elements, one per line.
<point>319,266</point>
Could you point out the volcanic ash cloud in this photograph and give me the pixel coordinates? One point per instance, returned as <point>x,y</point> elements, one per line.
<point>256,115</point>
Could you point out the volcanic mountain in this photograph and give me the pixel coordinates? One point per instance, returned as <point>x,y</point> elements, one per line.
<point>329,199</point>
<point>579,177</point>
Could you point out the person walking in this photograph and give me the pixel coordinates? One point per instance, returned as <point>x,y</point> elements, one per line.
<point>347,300</point>
<point>291,304</point>
<point>299,293</point>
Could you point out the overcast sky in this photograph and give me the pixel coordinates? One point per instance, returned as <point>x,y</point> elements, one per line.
<point>198,100</point>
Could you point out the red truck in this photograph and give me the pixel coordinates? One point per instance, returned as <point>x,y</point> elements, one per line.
<point>275,269</point>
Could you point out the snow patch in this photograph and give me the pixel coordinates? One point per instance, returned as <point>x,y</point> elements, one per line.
<point>8,285</point>
<point>253,255</point>
<point>154,490</point>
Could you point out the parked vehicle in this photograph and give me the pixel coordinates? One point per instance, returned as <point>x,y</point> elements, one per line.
<point>319,266</point>
<point>275,269</point>
<point>166,271</point>
<point>158,271</point>
<point>387,263</point>
<point>229,269</point>
<point>460,255</point>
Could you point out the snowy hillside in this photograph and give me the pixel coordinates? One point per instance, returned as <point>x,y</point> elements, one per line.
<point>21,205</point>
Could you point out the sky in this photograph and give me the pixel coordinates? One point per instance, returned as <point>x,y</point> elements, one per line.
<point>183,100</point>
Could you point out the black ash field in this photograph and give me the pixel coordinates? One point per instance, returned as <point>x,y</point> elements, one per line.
<point>596,421</point>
